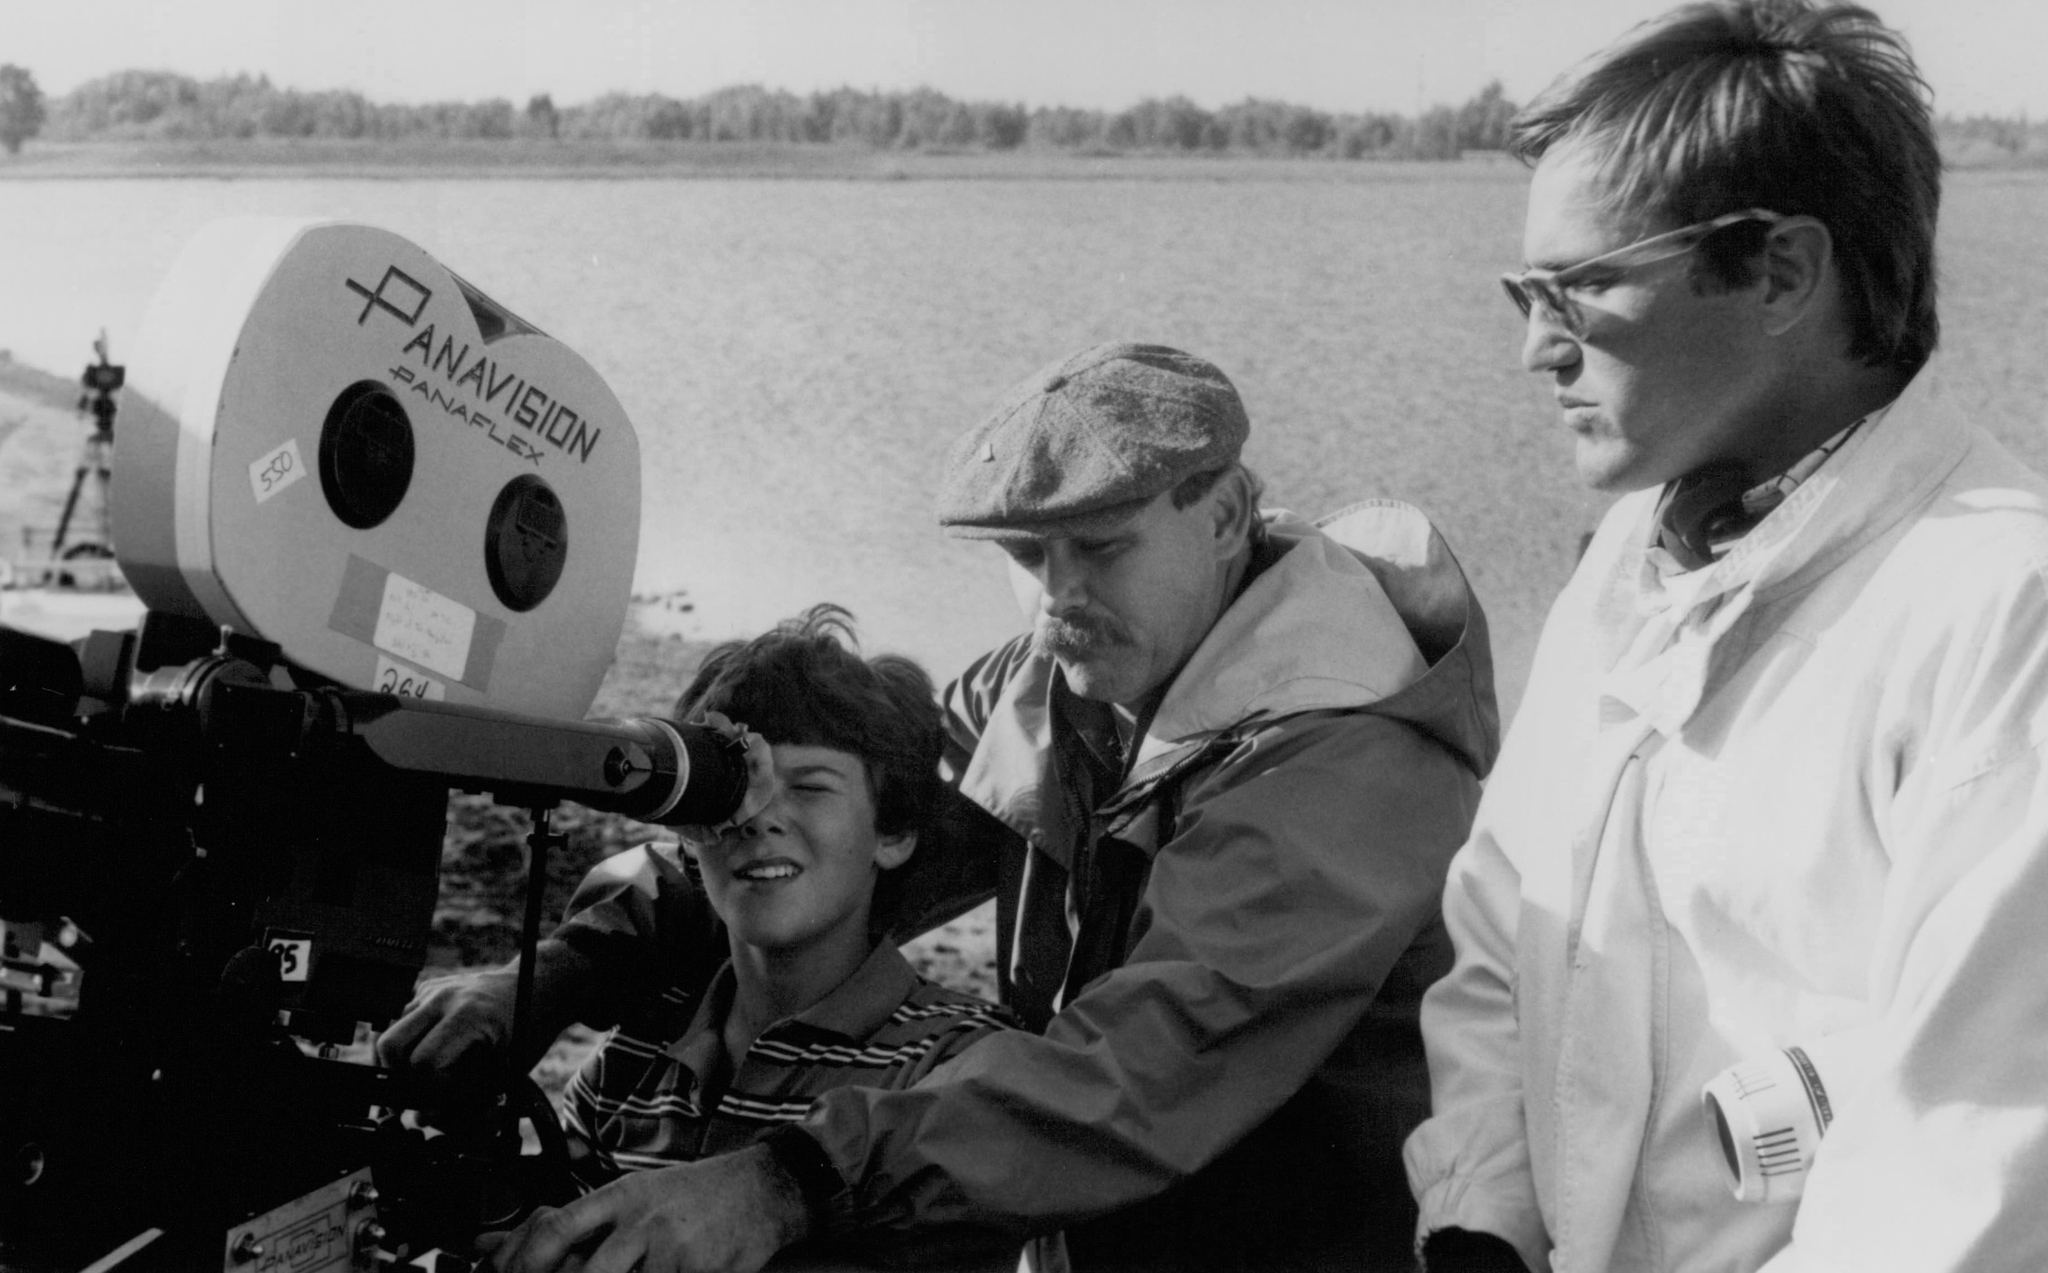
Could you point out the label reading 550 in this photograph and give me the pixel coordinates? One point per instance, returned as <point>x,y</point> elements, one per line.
<point>276,469</point>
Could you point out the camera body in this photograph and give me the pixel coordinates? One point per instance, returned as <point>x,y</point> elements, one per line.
<point>104,377</point>
<point>385,533</point>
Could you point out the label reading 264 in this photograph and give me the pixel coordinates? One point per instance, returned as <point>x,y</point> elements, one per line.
<point>396,678</point>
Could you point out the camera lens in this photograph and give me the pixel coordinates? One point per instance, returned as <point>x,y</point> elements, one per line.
<point>526,542</point>
<point>366,455</point>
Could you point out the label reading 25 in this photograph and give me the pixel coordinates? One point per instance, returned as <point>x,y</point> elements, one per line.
<point>396,678</point>
<point>293,952</point>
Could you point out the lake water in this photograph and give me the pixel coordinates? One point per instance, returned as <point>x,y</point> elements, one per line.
<point>797,355</point>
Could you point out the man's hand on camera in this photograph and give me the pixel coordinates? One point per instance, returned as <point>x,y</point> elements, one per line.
<point>460,1020</point>
<point>729,1214</point>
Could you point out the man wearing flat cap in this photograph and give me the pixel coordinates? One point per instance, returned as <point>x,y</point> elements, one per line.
<point>1230,763</point>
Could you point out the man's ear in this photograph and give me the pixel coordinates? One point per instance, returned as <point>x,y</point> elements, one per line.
<point>1798,264</point>
<point>1232,512</point>
<point>892,851</point>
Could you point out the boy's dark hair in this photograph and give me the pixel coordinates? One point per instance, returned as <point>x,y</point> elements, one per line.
<point>804,683</point>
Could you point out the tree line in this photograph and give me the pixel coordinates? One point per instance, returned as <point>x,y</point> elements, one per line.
<point>146,105</point>
<point>1995,138</point>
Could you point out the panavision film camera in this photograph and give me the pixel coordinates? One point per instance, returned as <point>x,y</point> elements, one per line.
<point>385,534</point>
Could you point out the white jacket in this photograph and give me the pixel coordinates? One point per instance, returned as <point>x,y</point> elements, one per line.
<point>1794,798</point>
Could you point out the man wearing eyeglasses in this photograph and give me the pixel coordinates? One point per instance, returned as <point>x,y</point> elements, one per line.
<point>1750,970</point>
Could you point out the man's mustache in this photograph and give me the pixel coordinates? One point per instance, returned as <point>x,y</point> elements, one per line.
<point>1079,635</point>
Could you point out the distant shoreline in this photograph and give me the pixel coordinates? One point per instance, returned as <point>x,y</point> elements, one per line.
<point>604,160</point>
<point>532,159</point>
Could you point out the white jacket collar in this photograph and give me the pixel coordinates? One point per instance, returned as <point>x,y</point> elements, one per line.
<point>1659,668</point>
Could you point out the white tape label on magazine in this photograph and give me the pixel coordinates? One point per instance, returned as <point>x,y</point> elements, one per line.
<point>276,469</point>
<point>421,626</point>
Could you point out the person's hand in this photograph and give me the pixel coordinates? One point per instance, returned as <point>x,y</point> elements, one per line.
<point>762,781</point>
<point>463,1020</point>
<point>729,1214</point>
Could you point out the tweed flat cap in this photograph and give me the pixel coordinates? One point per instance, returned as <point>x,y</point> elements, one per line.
<point>1082,444</point>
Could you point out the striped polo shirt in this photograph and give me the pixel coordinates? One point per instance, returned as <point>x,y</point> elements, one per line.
<point>659,1089</point>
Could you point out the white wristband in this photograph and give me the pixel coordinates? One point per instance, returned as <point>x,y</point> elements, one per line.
<point>1770,1114</point>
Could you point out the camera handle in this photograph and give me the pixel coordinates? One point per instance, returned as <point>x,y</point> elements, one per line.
<point>524,1095</point>
<point>539,841</point>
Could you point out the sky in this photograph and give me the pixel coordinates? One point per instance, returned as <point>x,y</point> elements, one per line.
<point>1981,56</point>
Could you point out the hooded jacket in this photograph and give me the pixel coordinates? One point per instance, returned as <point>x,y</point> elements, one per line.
<point>1794,799</point>
<point>1222,954</point>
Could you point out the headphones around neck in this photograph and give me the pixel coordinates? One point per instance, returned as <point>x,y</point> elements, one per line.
<point>1701,509</point>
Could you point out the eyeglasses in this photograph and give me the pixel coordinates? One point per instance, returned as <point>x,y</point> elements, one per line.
<point>1552,288</point>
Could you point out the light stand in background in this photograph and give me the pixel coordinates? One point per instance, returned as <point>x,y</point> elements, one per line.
<point>102,381</point>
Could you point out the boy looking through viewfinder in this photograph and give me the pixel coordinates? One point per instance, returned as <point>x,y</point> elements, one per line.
<point>806,997</point>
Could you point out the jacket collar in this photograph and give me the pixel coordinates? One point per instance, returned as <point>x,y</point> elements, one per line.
<point>1453,701</point>
<point>1315,631</point>
<point>1663,631</point>
<point>1886,469</point>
